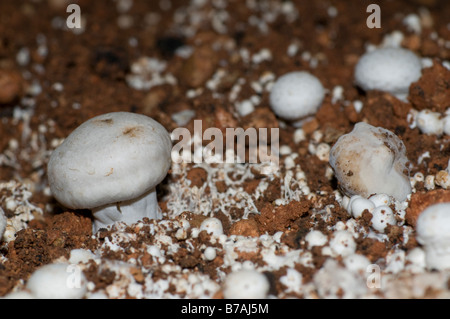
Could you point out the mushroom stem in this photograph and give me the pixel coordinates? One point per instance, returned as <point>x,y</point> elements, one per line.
<point>130,211</point>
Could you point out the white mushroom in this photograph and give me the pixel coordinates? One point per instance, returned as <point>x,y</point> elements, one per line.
<point>380,200</point>
<point>359,204</point>
<point>246,284</point>
<point>371,160</point>
<point>430,122</point>
<point>296,95</point>
<point>316,238</point>
<point>342,243</point>
<point>381,217</point>
<point>57,281</point>
<point>212,226</point>
<point>433,232</point>
<point>388,69</point>
<point>111,164</point>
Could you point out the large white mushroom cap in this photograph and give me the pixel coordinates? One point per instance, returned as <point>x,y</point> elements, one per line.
<point>110,158</point>
<point>296,95</point>
<point>371,160</point>
<point>388,69</point>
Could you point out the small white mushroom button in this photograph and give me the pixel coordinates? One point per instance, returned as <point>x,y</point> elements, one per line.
<point>316,238</point>
<point>430,123</point>
<point>381,200</point>
<point>359,205</point>
<point>342,243</point>
<point>212,226</point>
<point>381,217</point>
<point>296,95</point>
<point>246,284</point>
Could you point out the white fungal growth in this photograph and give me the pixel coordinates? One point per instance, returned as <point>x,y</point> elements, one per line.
<point>210,253</point>
<point>371,160</point>
<point>342,243</point>
<point>356,263</point>
<point>333,281</point>
<point>293,281</point>
<point>430,122</point>
<point>148,72</point>
<point>15,199</point>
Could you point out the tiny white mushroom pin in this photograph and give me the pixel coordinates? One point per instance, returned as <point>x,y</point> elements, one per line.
<point>433,232</point>
<point>111,164</point>
<point>371,160</point>
<point>296,95</point>
<point>388,69</point>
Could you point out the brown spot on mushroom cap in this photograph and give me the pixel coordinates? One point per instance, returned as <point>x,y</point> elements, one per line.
<point>133,131</point>
<point>111,170</point>
<point>108,121</point>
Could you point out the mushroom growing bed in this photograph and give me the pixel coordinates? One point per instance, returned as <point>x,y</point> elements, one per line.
<point>228,230</point>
